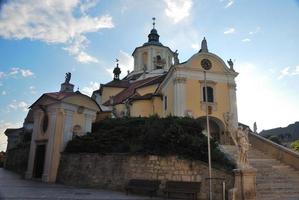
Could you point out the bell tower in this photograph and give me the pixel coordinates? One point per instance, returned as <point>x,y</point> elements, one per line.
<point>153,57</point>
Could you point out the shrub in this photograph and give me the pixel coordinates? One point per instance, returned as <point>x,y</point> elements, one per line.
<point>295,145</point>
<point>149,136</point>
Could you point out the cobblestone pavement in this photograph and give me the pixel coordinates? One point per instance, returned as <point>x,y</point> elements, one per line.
<point>13,187</point>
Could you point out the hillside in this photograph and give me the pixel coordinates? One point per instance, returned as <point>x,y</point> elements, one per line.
<point>285,134</point>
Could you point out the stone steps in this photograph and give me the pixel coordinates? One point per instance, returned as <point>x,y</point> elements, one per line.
<point>275,180</point>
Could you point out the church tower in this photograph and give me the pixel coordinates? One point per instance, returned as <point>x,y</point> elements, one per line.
<point>153,57</point>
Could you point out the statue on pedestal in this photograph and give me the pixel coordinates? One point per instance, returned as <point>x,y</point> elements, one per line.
<point>68,77</point>
<point>240,138</point>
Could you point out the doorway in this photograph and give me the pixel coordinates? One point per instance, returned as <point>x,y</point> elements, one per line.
<point>39,161</point>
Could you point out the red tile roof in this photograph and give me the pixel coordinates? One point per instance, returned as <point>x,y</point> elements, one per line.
<point>130,91</point>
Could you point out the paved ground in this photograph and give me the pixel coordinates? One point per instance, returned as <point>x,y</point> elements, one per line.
<point>13,187</point>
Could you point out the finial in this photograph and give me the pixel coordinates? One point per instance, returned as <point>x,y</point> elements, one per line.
<point>116,60</point>
<point>78,88</point>
<point>154,23</point>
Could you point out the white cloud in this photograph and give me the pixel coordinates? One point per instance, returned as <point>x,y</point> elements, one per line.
<point>90,88</point>
<point>257,30</point>
<point>195,46</point>
<point>246,40</point>
<point>17,70</point>
<point>126,63</point>
<point>177,10</point>
<point>3,93</point>
<point>288,71</point>
<point>32,90</point>
<point>85,58</point>
<point>230,31</point>
<point>15,105</point>
<point>3,126</point>
<point>53,22</point>
<point>258,95</point>
<point>87,4</point>
<point>229,3</point>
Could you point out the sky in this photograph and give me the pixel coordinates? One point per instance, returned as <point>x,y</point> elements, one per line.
<point>42,40</point>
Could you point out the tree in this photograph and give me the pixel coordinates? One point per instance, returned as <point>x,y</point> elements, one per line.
<point>295,145</point>
<point>275,139</point>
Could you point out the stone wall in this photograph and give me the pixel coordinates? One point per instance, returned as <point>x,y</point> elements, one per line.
<point>16,159</point>
<point>115,170</point>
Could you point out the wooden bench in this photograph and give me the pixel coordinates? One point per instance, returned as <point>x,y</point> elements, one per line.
<point>187,188</point>
<point>150,186</point>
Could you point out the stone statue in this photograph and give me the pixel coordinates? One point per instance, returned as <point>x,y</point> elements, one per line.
<point>254,127</point>
<point>231,64</point>
<point>240,139</point>
<point>176,58</point>
<point>243,147</point>
<point>68,77</point>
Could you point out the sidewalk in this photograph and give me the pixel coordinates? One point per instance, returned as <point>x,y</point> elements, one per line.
<point>12,187</point>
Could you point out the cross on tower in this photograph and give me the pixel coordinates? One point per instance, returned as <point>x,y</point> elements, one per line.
<point>154,23</point>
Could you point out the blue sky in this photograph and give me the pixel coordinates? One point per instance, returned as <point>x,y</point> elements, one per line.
<point>42,40</point>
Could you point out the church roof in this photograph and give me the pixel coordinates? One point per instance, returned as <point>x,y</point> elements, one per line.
<point>144,97</point>
<point>29,117</point>
<point>130,91</point>
<point>117,83</point>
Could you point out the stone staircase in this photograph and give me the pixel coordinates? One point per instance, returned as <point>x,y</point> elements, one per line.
<point>275,180</point>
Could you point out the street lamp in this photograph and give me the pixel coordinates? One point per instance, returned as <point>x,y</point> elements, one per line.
<point>207,65</point>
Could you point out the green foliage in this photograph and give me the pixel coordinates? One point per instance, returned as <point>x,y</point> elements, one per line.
<point>275,139</point>
<point>295,145</point>
<point>149,136</point>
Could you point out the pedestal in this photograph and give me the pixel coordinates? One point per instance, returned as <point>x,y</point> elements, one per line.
<point>245,184</point>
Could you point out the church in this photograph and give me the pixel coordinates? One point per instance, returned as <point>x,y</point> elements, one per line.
<point>159,85</point>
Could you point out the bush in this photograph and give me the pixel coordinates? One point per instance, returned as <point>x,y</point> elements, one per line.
<point>149,136</point>
<point>295,145</point>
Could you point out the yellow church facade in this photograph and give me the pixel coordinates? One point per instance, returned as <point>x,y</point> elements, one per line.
<point>161,85</point>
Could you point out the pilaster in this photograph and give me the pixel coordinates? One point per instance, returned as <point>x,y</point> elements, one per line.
<point>49,147</point>
<point>36,128</point>
<point>179,96</point>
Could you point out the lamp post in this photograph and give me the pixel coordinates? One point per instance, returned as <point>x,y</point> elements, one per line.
<point>207,65</point>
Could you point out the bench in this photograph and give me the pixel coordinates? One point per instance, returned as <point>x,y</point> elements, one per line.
<point>187,188</point>
<point>150,186</point>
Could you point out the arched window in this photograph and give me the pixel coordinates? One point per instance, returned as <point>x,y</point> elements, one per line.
<point>144,58</point>
<point>210,94</point>
<point>158,58</point>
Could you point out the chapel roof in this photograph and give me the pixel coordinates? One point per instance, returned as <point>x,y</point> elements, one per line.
<point>59,96</point>
<point>12,130</point>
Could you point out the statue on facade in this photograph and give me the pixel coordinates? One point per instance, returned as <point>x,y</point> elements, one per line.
<point>240,139</point>
<point>68,77</point>
<point>230,64</point>
<point>176,58</point>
